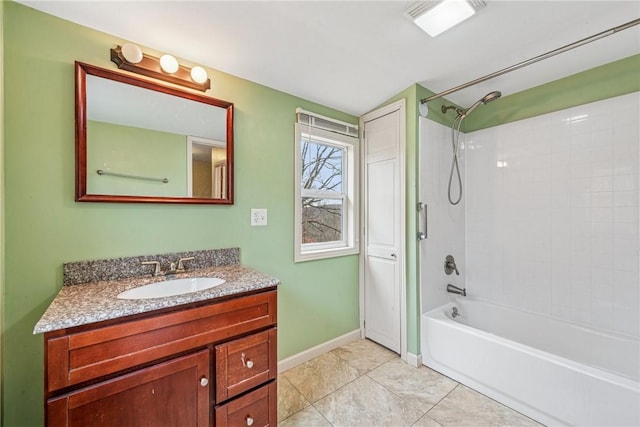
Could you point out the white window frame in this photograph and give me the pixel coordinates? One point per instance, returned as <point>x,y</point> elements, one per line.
<point>349,245</point>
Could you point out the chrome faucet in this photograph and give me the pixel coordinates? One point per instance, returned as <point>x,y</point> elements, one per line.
<point>453,289</point>
<point>450,265</point>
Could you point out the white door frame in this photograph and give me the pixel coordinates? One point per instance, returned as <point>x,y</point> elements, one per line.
<point>202,141</point>
<point>402,249</point>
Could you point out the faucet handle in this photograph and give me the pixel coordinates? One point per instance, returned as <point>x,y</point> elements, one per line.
<point>450,265</point>
<point>181,261</point>
<point>156,270</point>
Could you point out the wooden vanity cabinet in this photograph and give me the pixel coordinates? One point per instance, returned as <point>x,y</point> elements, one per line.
<point>210,365</point>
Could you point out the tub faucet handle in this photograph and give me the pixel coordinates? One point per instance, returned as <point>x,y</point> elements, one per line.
<point>450,265</point>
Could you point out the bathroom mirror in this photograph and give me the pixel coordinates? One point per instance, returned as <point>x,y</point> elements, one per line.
<point>138,140</point>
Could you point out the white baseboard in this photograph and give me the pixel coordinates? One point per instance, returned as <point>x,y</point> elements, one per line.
<point>320,349</point>
<point>414,360</point>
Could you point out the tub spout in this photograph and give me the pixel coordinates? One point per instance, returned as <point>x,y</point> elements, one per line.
<point>452,289</point>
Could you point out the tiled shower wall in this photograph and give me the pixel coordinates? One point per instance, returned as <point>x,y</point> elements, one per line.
<point>552,214</point>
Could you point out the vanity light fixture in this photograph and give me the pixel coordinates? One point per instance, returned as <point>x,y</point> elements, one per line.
<point>132,53</point>
<point>437,16</point>
<point>169,64</point>
<point>199,74</point>
<point>129,57</point>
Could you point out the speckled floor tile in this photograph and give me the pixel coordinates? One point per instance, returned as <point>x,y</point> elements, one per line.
<point>290,400</point>
<point>422,387</point>
<point>364,355</point>
<point>321,376</point>
<point>364,402</point>
<point>426,421</point>
<point>309,417</point>
<point>464,407</point>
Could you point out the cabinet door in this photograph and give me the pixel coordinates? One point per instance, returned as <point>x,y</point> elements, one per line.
<point>173,393</point>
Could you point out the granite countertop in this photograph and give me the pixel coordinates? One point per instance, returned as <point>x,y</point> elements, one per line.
<point>86,303</point>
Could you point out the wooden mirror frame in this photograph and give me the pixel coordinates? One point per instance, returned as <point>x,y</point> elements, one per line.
<point>81,72</point>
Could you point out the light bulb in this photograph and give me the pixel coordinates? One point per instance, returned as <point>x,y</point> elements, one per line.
<point>131,53</point>
<point>169,64</point>
<point>198,74</point>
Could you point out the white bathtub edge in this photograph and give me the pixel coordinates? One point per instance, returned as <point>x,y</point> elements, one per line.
<point>453,359</point>
<point>502,398</point>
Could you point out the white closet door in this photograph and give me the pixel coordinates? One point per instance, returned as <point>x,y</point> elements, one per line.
<point>384,254</point>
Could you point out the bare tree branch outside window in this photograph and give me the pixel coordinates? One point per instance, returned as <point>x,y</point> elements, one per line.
<point>322,171</point>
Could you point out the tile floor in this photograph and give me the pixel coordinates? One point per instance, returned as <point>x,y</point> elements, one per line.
<point>364,384</point>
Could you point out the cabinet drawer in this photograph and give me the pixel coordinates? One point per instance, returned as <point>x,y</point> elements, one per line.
<point>257,409</point>
<point>76,357</point>
<point>245,363</point>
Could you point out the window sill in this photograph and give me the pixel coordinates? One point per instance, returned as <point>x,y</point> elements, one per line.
<point>325,253</point>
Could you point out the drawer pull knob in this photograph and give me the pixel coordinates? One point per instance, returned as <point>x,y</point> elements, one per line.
<point>204,381</point>
<point>246,363</point>
<point>249,420</point>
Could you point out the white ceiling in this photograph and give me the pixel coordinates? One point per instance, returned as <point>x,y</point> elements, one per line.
<point>110,101</point>
<point>354,55</point>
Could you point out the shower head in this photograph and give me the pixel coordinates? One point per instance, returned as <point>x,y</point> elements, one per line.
<point>491,96</point>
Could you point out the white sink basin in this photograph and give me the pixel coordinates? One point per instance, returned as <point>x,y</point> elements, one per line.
<point>170,288</point>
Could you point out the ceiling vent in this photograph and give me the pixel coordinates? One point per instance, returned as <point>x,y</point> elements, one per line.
<point>437,16</point>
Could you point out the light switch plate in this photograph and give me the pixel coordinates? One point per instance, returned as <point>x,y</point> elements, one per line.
<point>258,217</point>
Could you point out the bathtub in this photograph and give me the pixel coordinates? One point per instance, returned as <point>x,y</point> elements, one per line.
<point>552,371</point>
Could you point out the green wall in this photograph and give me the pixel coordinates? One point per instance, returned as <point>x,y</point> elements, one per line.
<point>135,151</point>
<point>318,300</point>
<point>606,81</point>
<point>595,84</point>
<point>1,197</point>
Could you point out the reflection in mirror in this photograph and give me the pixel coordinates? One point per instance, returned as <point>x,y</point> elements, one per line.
<point>139,141</point>
<point>206,168</point>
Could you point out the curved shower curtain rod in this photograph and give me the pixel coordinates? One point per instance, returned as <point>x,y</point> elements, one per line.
<point>535,59</point>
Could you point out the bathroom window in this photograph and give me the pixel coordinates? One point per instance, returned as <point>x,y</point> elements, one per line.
<point>326,188</point>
